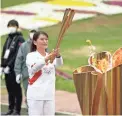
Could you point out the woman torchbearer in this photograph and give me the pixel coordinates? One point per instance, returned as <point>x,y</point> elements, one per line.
<point>41,88</point>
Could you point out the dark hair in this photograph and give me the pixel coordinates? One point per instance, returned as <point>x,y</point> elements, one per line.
<point>32,31</point>
<point>35,37</point>
<point>13,23</point>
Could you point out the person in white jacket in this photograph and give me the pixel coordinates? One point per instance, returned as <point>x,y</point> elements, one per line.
<point>41,88</point>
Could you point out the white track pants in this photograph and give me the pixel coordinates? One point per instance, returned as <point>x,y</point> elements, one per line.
<point>40,107</point>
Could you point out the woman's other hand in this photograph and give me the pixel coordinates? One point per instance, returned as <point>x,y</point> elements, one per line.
<point>52,55</point>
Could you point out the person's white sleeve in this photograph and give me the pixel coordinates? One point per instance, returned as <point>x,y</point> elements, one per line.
<point>33,64</point>
<point>58,62</point>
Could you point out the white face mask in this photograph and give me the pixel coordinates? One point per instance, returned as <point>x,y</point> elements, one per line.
<point>31,35</point>
<point>12,29</point>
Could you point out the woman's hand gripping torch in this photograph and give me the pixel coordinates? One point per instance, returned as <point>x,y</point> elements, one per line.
<point>55,53</point>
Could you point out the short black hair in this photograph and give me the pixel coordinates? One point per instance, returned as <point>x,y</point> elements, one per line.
<point>13,23</point>
<point>33,31</point>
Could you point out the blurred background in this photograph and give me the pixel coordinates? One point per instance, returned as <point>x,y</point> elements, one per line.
<point>99,21</point>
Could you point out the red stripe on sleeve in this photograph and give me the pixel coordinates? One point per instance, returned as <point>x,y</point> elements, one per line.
<point>35,77</point>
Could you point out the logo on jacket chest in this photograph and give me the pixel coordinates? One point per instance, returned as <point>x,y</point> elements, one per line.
<point>48,69</point>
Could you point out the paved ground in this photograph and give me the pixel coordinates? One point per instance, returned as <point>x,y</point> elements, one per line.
<point>65,102</point>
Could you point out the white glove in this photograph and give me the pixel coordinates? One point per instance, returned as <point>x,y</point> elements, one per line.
<point>1,71</point>
<point>18,78</point>
<point>6,70</point>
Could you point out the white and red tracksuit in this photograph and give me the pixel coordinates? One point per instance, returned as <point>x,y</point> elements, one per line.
<point>41,88</point>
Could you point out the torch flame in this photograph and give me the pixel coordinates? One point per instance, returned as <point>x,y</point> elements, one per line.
<point>91,47</point>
